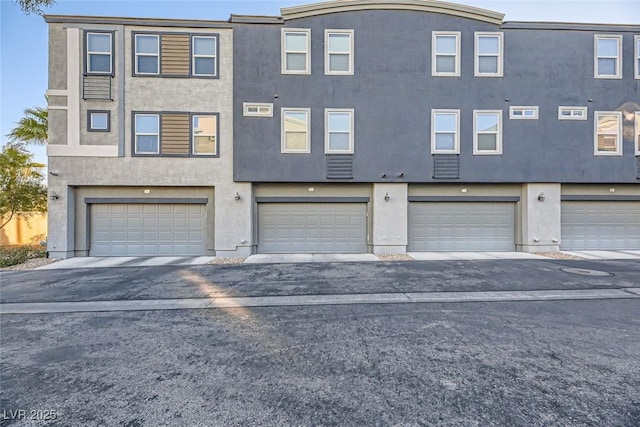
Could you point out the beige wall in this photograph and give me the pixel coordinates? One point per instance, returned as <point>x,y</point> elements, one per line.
<point>30,229</point>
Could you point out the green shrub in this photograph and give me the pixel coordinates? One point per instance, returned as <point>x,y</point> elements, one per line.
<point>17,255</point>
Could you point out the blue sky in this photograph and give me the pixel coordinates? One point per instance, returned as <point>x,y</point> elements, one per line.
<point>23,39</point>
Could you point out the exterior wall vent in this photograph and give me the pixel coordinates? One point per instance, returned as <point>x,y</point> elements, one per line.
<point>96,87</point>
<point>339,166</point>
<point>446,166</point>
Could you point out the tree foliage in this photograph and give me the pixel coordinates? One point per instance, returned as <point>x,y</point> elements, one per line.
<point>33,6</point>
<point>33,128</point>
<point>21,187</point>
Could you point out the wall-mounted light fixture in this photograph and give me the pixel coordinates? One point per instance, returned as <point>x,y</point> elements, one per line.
<point>386,197</point>
<point>237,196</point>
<point>54,196</point>
<point>54,172</point>
<point>541,197</point>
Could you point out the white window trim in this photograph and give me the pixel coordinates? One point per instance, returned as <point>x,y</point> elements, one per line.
<point>258,106</point>
<point>93,127</point>
<point>157,55</point>
<point>327,53</point>
<point>99,53</point>
<point>283,52</point>
<point>572,117</point>
<point>214,135</point>
<point>618,151</point>
<point>498,150</point>
<point>136,134</point>
<point>214,56</point>
<point>456,140</point>
<point>636,56</point>
<point>434,35</point>
<point>351,112</point>
<point>514,108</point>
<point>637,135</point>
<point>283,148</point>
<point>500,55</point>
<point>618,58</point>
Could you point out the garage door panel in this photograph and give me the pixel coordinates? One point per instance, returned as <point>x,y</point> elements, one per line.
<point>461,226</point>
<point>600,225</point>
<point>147,229</point>
<point>311,227</point>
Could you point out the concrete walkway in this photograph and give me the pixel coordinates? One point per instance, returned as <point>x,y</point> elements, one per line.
<point>299,258</point>
<point>314,300</point>
<point>98,262</point>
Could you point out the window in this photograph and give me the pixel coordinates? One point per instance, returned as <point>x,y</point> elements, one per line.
<point>257,109</point>
<point>488,60</point>
<point>203,62</point>
<point>445,58</point>
<point>608,135</point>
<point>572,113</point>
<point>147,133</point>
<point>296,44</point>
<point>204,131</point>
<point>338,137</point>
<point>99,53</point>
<point>98,121</point>
<point>147,51</point>
<point>608,61</point>
<point>637,56</point>
<point>487,132</point>
<point>637,133</point>
<point>445,131</point>
<point>295,130</point>
<point>523,113</point>
<point>338,47</point>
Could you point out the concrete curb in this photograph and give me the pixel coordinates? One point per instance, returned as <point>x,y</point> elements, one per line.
<point>314,300</point>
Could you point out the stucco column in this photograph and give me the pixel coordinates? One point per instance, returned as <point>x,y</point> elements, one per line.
<point>233,220</point>
<point>540,218</point>
<point>60,221</point>
<point>390,218</point>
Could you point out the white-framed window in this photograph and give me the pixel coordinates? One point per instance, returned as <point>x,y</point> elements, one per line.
<point>338,52</point>
<point>99,53</point>
<point>204,134</point>
<point>523,113</point>
<point>147,51</point>
<point>637,133</point>
<point>607,57</point>
<point>445,131</point>
<point>487,132</point>
<point>296,51</point>
<point>338,135</point>
<point>489,54</point>
<point>445,53</point>
<point>147,133</point>
<point>204,56</point>
<point>257,109</point>
<point>98,121</point>
<point>636,56</point>
<point>608,133</point>
<point>295,130</point>
<point>572,113</point>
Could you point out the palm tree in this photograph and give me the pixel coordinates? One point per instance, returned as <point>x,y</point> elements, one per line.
<point>32,128</point>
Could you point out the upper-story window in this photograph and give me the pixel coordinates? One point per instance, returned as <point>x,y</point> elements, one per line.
<point>523,113</point>
<point>338,131</point>
<point>487,132</point>
<point>445,131</point>
<point>338,58</point>
<point>204,56</point>
<point>572,113</point>
<point>608,58</point>
<point>204,134</point>
<point>489,54</point>
<point>295,130</point>
<point>147,50</point>
<point>637,133</point>
<point>445,58</point>
<point>296,48</point>
<point>147,134</point>
<point>98,121</point>
<point>99,47</point>
<point>608,133</point>
<point>637,56</point>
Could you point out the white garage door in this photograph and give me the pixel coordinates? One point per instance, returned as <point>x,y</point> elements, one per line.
<point>312,227</point>
<point>600,225</point>
<point>147,229</point>
<point>461,226</point>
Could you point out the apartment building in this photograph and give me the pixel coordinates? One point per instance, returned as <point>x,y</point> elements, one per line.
<point>344,126</point>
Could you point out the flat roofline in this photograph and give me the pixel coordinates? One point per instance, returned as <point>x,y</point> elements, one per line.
<point>140,22</point>
<point>574,26</point>
<point>256,19</point>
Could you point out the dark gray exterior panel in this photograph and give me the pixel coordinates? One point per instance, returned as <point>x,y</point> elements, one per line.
<point>147,200</point>
<point>312,199</point>
<point>510,199</point>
